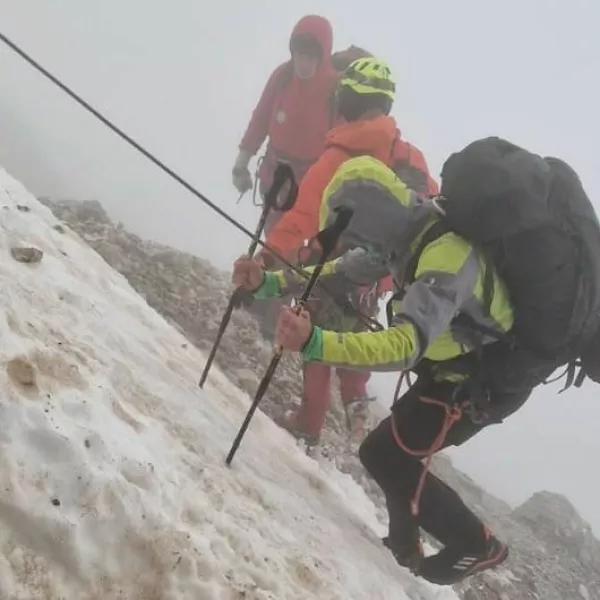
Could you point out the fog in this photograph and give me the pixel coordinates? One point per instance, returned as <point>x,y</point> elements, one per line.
<point>182,78</point>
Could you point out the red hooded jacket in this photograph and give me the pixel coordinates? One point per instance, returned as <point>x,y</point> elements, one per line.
<point>295,114</point>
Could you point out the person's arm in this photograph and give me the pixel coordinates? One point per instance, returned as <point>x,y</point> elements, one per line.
<point>258,127</point>
<point>358,266</point>
<point>427,310</point>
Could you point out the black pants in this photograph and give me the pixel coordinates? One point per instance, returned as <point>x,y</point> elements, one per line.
<point>442,512</point>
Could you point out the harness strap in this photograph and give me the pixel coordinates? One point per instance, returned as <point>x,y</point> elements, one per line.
<point>453,414</point>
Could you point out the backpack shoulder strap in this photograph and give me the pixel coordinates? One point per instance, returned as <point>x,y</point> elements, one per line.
<point>331,109</point>
<point>408,166</point>
<point>437,230</point>
<point>400,150</point>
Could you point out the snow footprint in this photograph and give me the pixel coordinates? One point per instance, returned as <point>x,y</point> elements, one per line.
<point>126,416</point>
<point>310,573</point>
<point>55,367</point>
<point>138,473</point>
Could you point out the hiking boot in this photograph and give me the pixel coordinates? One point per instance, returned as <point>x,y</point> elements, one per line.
<point>289,422</point>
<point>408,556</point>
<point>357,417</point>
<point>452,564</point>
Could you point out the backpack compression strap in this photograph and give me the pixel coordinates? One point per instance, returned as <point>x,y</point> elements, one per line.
<point>463,320</point>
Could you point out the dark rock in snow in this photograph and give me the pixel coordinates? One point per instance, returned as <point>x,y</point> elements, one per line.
<point>21,372</point>
<point>554,555</point>
<point>26,254</point>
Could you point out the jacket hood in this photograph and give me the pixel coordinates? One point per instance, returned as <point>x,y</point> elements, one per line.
<point>373,137</point>
<point>317,27</point>
<point>384,209</point>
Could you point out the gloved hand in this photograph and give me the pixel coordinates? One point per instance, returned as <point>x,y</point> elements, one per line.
<point>240,175</point>
<point>247,273</point>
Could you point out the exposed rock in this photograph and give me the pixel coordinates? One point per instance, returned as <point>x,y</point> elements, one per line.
<point>26,254</point>
<point>554,555</point>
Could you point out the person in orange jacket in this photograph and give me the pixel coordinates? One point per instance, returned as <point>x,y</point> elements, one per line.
<point>295,110</point>
<point>365,97</point>
<point>364,100</point>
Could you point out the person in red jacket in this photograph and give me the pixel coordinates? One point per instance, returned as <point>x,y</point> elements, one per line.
<point>295,110</point>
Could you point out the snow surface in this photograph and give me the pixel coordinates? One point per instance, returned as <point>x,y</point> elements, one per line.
<point>113,483</point>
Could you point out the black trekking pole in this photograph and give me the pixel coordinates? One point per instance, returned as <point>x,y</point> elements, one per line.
<point>328,239</point>
<point>283,174</point>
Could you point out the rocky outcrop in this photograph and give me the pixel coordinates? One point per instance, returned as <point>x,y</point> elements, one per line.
<point>554,555</point>
<point>554,520</point>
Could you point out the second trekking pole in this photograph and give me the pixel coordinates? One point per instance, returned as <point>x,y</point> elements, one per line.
<point>328,239</point>
<point>283,174</point>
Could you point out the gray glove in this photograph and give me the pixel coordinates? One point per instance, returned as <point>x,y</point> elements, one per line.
<point>240,175</point>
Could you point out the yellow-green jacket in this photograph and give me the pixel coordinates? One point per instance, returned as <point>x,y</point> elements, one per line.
<point>386,228</point>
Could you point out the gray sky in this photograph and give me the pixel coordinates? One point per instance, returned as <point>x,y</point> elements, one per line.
<point>183,83</point>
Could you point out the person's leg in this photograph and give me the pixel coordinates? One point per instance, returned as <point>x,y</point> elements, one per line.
<point>309,420</point>
<point>392,470</point>
<point>385,453</point>
<point>353,391</point>
<point>353,384</point>
<point>417,425</point>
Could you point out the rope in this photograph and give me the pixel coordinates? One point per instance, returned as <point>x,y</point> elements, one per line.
<point>403,375</point>
<point>453,415</point>
<point>370,322</point>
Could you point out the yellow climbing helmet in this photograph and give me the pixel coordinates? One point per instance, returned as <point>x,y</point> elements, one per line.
<point>369,75</point>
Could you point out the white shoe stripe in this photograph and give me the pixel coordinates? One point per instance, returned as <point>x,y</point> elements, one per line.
<point>466,561</point>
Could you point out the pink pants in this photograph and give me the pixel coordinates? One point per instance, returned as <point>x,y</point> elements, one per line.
<point>316,399</point>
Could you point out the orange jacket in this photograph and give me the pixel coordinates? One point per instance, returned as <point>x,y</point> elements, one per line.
<point>378,137</point>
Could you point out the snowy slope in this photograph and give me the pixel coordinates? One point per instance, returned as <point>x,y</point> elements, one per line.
<point>112,476</point>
